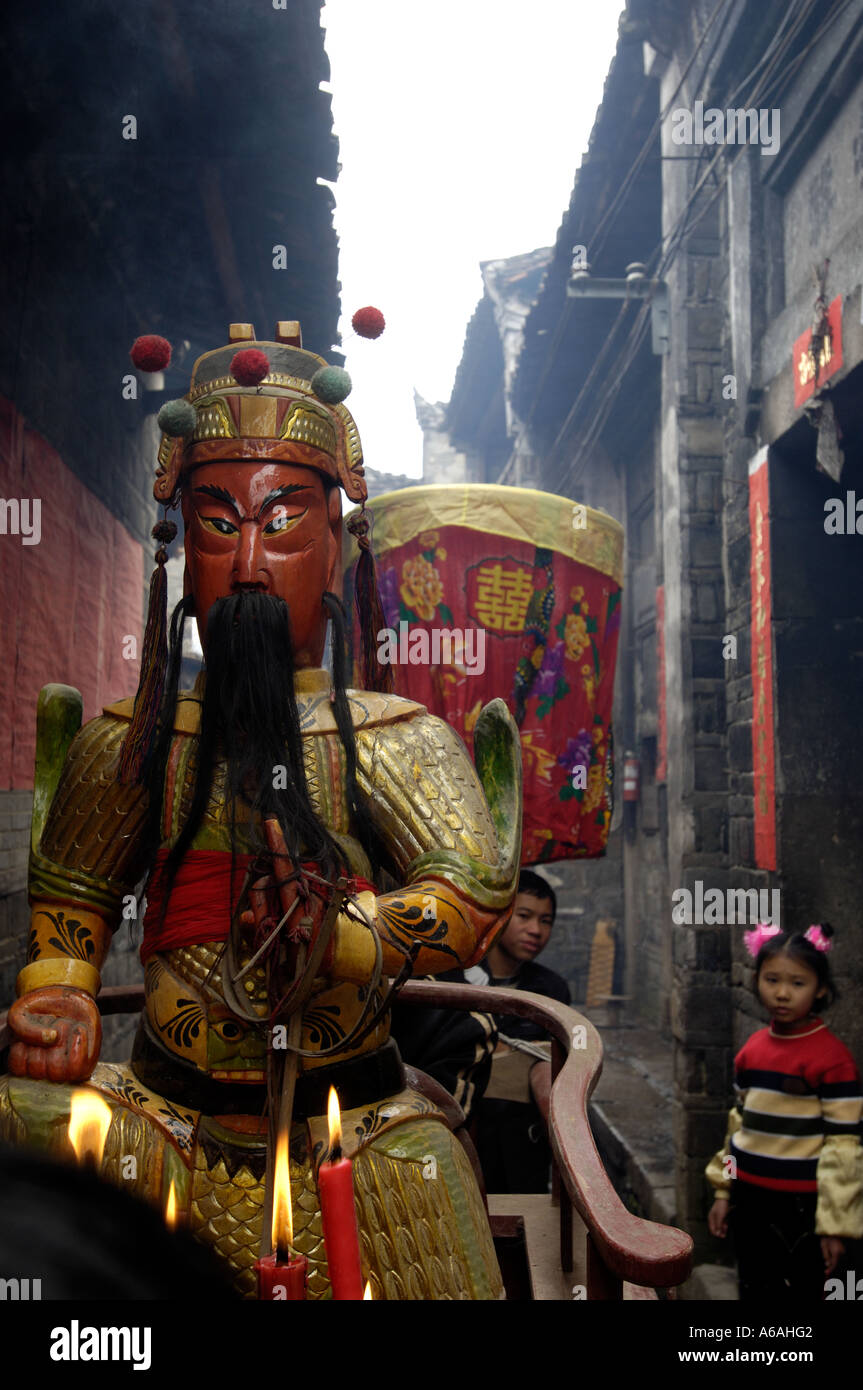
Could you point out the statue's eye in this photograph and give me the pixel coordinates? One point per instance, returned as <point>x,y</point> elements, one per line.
<point>283,521</point>
<point>219,525</point>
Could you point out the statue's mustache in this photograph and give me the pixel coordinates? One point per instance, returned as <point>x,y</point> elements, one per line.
<point>245,606</point>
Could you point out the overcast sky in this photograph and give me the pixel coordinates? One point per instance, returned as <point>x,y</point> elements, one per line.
<point>461,124</point>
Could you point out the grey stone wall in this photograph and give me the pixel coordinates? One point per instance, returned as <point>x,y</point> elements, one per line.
<point>648,963</point>
<point>692,468</point>
<point>823,205</point>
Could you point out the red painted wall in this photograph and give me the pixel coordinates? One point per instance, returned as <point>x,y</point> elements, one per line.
<point>65,604</point>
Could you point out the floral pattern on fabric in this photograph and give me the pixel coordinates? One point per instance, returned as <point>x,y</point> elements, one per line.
<point>550,628</point>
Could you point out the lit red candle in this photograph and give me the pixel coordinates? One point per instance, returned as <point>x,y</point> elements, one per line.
<point>338,1213</point>
<point>282,1275</point>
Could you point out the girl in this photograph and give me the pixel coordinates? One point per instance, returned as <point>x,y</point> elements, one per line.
<point>792,1161</point>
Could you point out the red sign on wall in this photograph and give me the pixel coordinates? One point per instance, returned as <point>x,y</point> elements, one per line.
<point>763,742</point>
<point>829,358</point>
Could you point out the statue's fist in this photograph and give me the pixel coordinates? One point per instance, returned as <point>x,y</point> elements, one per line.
<point>59,1034</point>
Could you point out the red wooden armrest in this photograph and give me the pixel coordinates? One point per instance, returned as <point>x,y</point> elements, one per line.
<point>630,1248</point>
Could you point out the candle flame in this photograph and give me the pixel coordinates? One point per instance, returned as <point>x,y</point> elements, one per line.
<point>283,1221</point>
<point>368,1290</point>
<point>89,1122</point>
<point>334,1120</point>
<point>171,1207</point>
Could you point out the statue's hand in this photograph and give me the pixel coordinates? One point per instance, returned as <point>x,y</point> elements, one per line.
<point>304,916</point>
<point>59,1032</point>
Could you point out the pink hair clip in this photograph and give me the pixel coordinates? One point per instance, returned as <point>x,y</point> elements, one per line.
<point>756,938</point>
<point>818,939</point>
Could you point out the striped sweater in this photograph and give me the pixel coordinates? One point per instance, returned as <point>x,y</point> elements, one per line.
<point>796,1127</point>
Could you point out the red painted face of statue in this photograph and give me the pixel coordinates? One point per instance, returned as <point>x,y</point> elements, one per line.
<point>269,527</point>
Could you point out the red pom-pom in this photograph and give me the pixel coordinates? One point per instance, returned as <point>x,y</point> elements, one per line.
<point>368,322</point>
<point>150,353</point>
<point>250,366</point>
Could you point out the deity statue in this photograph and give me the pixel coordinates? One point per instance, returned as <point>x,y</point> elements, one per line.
<point>301,844</point>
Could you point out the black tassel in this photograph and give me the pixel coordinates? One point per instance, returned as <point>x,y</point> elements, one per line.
<point>375,674</point>
<point>154,662</point>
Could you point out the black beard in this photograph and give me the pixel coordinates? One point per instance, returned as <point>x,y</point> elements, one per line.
<point>249,717</point>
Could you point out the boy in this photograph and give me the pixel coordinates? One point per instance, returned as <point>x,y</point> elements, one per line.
<point>462,1051</point>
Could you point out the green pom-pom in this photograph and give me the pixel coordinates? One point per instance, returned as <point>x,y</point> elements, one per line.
<point>177,419</point>
<point>331,384</point>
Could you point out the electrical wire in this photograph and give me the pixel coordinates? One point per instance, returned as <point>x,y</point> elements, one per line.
<point>622,192</point>
<point>629,178</point>
<point>681,229</point>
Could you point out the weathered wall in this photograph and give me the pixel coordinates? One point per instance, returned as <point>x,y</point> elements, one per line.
<point>692,463</point>
<point>69,604</point>
<point>648,962</point>
<point>822,208</point>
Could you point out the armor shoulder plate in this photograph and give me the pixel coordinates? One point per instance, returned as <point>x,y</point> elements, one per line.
<point>367,707</point>
<point>437,814</point>
<point>90,850</point>
<point>423,790</point>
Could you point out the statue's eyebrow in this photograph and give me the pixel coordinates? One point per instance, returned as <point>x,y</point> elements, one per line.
<point>278,492</point>
<point>220,494</point>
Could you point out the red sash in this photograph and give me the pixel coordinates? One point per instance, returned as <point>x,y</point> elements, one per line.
<point>200,907</point>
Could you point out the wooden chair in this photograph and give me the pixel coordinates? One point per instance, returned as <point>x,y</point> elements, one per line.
<point>580,1237</point>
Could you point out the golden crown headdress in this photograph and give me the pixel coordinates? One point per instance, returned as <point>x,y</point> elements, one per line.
<point>280,400</point>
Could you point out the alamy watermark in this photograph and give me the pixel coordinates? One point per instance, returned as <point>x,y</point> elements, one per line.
<point>428,1161</point>
<point>851,1290</point>
<point>844,515</point>
<point>77,1343</point>
<point>21,516</point>
<point>20,1290</point>
<point>716,908</point>
<point>736,126</point>
<point>437,646</point>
